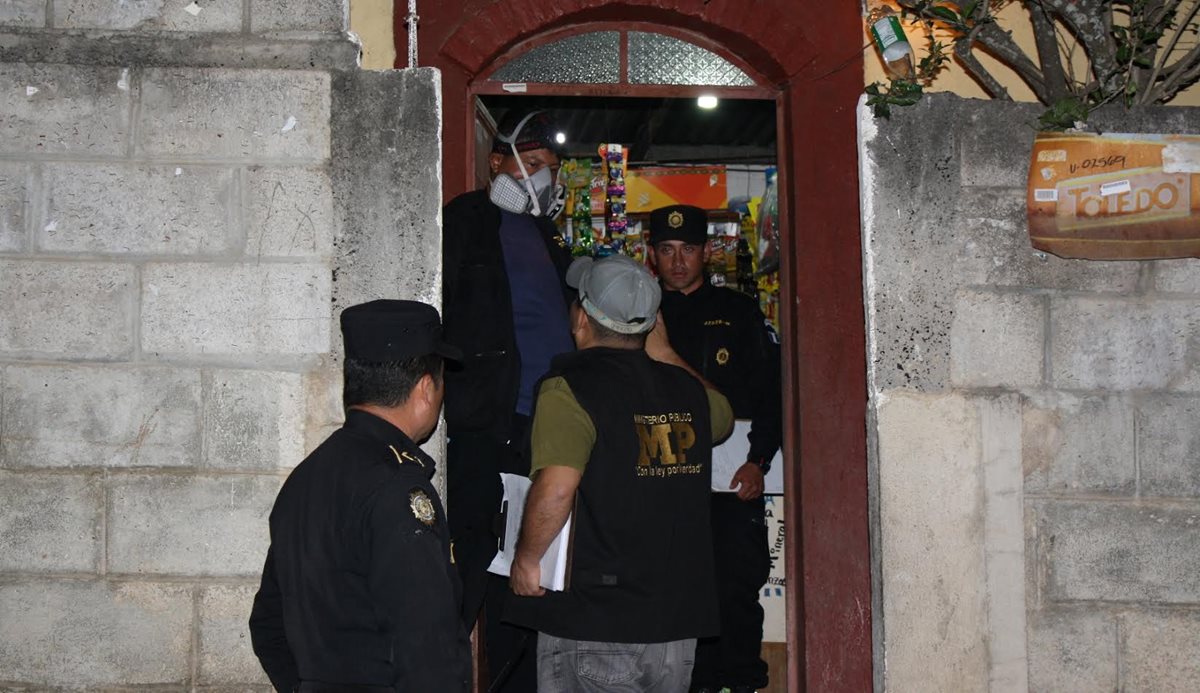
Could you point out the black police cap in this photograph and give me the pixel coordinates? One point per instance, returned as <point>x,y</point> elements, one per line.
<point>679,223</point>
<point>388,330</point>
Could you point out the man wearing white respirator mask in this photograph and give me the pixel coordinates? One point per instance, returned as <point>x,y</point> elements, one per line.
<point>505,303</point>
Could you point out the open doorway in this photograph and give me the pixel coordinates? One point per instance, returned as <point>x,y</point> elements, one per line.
<point>676,149</point>
<point>811,65</point>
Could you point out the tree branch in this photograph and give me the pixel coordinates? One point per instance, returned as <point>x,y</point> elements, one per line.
<point>1091,23</point>
<point>1179,75</point>
<point>1165,55</point>
<point>1044,33</point>
<point>962,49</point>
<point>1000,43</point>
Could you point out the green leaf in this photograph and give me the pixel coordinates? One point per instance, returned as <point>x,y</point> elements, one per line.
<point>946,14</point>
<point>1064,114</point>
<point>969,11</point>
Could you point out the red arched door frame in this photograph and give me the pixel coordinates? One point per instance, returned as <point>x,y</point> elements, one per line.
<point>815,65</point>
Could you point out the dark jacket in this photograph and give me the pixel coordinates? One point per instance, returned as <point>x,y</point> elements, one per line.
<point>481,393</point>
<point>358,586</point>
<point>642,555</point>
<point>723,334</point>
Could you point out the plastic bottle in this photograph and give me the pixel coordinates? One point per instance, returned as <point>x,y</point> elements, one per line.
<point>893,45</point>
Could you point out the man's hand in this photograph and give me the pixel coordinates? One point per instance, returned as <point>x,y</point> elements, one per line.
<point>526,578</point>
<point>750,477</point>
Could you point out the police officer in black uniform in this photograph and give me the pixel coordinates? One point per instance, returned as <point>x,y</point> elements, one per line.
<point>359,592</point>
<point>723,334</point>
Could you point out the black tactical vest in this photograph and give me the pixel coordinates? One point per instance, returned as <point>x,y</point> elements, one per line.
<point>642,563</point>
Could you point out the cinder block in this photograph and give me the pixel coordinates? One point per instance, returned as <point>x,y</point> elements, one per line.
<point>64,109</point>
<point>323,390</point>
<point>254,420</point>
<point>995,144</point>
<point>161,210</point>
<point>1169,446</point>
<point>990,241</point>
<point>931,506</point>
<point>92,634</point>
<point>23,13</point>
<point>163,15</point>
<point>50,522</point>
<point>1181,276</point>
<point>1116,344</point>
<point>78,416</point>
<point>290,212</point>
<point>307,15</point>
<point>1072,650</point>
<point>214,310</point>
<point>1119,552</point>
<point>78,310</point>
<point>387,191</point>
<point>189,525</point>
<point>235,114</point>
<point>1076,444</point>
<point>1161,651</point>
<point>996,340</point>
<point>14,196</point>
<point>225,654</point>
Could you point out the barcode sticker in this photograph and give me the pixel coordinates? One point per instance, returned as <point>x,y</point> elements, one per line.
<point>1116,187</point>
<point>1045,195</point>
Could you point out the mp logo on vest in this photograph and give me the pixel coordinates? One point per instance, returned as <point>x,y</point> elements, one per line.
<point>664,440</point>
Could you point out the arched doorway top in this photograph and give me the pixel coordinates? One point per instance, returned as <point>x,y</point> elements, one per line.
<point>774,44</point>
<point>617,55</point>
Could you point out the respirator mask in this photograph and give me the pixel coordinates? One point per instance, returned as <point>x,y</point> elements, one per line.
<point>539,195</point>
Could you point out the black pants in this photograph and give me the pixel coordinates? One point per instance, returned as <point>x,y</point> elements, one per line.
<point>743,564</point>
<point>474,461</point>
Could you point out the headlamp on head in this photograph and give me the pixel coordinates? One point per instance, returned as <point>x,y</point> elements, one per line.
<point>540,195</point>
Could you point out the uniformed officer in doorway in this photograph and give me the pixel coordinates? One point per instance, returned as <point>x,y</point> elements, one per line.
<point>723,335</point>
<point>359,592</point>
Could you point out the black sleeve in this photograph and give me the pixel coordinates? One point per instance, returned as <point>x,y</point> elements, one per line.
<point>451,254</point>
<point>267,635</point>
<point>766,427</point>
<point>411,582</point>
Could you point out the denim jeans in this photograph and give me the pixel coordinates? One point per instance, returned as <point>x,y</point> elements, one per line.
<point>571,666</point>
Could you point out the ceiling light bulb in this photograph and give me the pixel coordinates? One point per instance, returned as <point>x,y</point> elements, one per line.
<point>561,138</point>
<point>707,102</point>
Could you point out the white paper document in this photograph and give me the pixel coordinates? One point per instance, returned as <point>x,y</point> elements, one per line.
<point>556,560</point>
<point>729,456</point>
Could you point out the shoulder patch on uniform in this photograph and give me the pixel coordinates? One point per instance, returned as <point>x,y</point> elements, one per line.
<point>422,507</point>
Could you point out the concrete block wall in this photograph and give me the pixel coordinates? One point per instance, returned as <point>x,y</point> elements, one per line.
<point>1034,455</point>
<point>170,239</point>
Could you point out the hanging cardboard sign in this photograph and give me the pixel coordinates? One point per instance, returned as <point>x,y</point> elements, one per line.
<point>700,186</point>
<point>1115,196</point>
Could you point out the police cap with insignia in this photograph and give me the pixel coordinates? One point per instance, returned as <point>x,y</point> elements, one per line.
<point>679,223</point>
<point>387,330</point>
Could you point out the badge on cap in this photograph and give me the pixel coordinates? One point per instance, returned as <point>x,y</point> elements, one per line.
<point>422,507</point>
<point>722,356</point>
<point>675,220</point>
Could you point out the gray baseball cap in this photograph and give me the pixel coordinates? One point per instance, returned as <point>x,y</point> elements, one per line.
<point>617,292</point>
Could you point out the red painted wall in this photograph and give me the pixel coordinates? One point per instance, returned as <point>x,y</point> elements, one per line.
<point>811,51</point>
